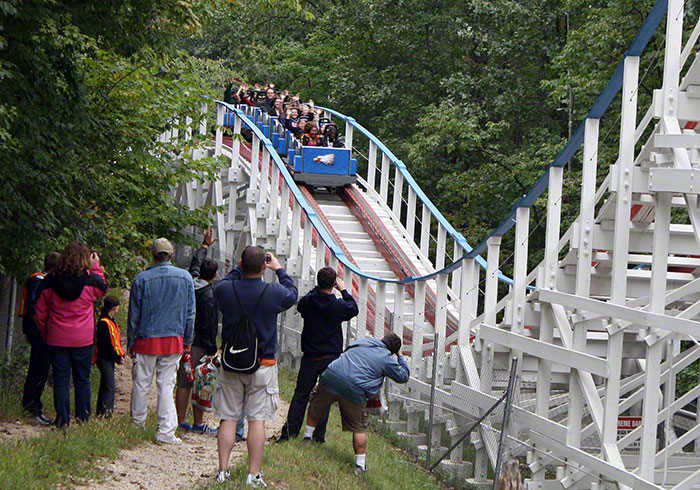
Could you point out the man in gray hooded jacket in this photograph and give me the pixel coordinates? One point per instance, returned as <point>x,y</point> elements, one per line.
<point>352,379</point>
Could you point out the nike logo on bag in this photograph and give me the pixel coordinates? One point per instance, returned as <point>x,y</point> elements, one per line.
<point>237,351</point>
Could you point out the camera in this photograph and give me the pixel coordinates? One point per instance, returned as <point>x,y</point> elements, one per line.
<point>268,258</point>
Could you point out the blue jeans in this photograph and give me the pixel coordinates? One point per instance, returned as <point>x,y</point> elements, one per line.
<point>240,426</point>
<point>66,361</point>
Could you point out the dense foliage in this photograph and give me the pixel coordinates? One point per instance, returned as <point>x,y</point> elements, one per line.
<point>86,88</point>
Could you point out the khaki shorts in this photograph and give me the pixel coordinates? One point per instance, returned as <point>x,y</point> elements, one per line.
<point>354,415</point>
<point>258,393</point>
<point>182,381</point>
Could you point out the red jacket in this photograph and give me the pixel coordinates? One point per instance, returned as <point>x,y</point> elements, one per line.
<point>64,311</point>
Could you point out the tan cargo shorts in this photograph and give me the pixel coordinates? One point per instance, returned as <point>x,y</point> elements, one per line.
<point>258,393</point>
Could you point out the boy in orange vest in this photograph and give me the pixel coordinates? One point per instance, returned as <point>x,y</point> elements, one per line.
<point>108,352</point>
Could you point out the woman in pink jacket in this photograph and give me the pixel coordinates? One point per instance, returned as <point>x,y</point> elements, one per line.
<point>66,320</point>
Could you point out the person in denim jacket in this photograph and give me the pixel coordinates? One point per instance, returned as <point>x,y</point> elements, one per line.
<point>160,329</point>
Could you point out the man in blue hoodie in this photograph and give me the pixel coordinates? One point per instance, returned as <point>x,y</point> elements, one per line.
<point>257,393</point>
<point>321,343</point>
<point>352,379</point>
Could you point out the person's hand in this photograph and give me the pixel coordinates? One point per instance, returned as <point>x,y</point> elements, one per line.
<point>130,352</point>
<point>257,86</point>
<point>121,361</point>
<point>186,348</point>
<point>273,263</point>
<point>94,258</point>
<point>339,284</point>
<point>208,240</point>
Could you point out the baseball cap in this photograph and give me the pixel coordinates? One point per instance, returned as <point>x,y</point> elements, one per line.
<point>162,245</point>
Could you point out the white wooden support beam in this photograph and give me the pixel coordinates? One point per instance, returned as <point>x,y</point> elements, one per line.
<point>363,306</point>
<point>347,277</point>
<point>372,165</point>
<point>418,328</point>
<point>348,135</point>
<point>253,192</point>
<point>614,473</point>
<point>203,123</point>
<point>411,214</point>
<point>188,130</point>
<point>560,355</point>
<point>398,193</point>
<point>379,310</point>
<point>441,250</point>
<point>296,229</point>
<point>220,110</point>
<point>265,177</point>
<point>384,179</point>
<point>633,315</point>
<point>236,144</point>
<point>306,272</point>
<point>652,370</point>
<point>425,231</point>
<point>274,193</point>
<point>677,180</point>
<point>618,294</point>
<point>456,277</point>
<point>399,303</point>
<point>441,322</point>
<point>583,271</point>
<point>487,354</point>
<point>469,295</point>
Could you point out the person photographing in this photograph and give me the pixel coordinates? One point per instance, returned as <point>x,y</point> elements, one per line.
<point>352,379</point>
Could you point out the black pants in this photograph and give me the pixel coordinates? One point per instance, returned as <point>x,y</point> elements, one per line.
<point>105,395</point>
<point>37,374</point>
<point>309,372</point>
<point>70,362</point>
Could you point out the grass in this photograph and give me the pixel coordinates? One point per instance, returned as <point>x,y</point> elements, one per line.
<point>67,457</point>
<point>294,465</point>
<point>59,457</point>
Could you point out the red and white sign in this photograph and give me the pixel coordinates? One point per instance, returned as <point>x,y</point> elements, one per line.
<point>625,425</point>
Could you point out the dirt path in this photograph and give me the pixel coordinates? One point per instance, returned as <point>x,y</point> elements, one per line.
<point>13,429</point>
<point>160,467</point>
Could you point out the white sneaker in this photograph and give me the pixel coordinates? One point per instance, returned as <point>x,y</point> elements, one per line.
<point>222,476</point>
<point>171,440</point>
<point>255,481</point>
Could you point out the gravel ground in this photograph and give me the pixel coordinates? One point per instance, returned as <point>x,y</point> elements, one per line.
<point>160,466</point>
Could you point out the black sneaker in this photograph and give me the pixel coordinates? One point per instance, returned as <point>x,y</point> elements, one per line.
<point>306,440</point>
<point>42,420</point>
<point>282,438</point>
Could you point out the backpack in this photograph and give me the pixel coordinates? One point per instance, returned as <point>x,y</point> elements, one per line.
<point>240,351</point>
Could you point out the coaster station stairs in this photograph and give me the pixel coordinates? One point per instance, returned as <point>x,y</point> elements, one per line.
<point>602,327</point>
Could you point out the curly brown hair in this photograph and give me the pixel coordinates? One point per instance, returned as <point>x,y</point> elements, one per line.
<point>74,260</point>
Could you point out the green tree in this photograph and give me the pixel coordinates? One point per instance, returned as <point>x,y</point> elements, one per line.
<point>87,87</point>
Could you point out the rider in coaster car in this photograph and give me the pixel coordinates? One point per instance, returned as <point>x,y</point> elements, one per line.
<point>311,136</point>
<point>322,123</point>
<point>268,102</point>
<point>332,138</point>
<point>290,120</point>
